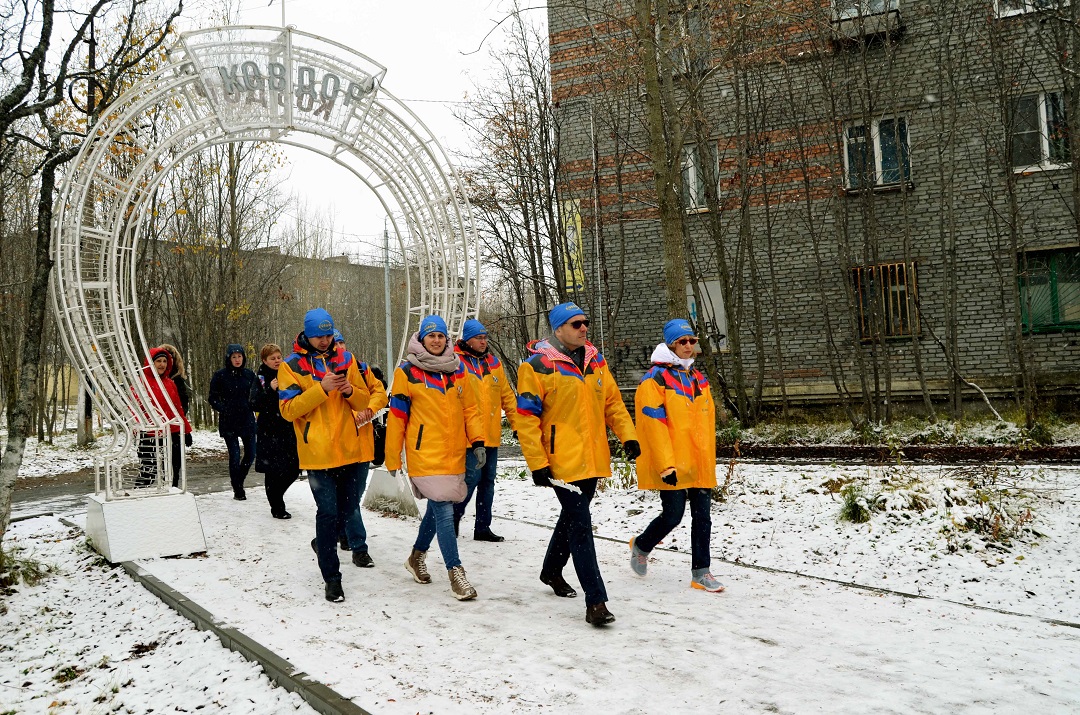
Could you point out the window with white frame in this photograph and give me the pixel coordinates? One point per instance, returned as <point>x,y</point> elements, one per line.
<point>694,175</point>
<point>1005,8</point>
<point>1039,131</point>
<point>689,44</point>
<point>877,153</point>
<point>847,9</point>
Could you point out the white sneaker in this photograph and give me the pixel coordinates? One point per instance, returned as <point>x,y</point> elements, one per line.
<point>702,579</point>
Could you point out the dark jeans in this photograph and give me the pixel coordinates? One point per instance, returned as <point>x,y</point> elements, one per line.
<point>278,482</point>
<point>674,504</point>
<point>336,491</point>
<point>573,536</point>
<point>354,521</point>
<point>482,481</point>
<point>239,466</point>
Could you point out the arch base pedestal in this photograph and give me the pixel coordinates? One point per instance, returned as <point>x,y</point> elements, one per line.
<point>144,527</point>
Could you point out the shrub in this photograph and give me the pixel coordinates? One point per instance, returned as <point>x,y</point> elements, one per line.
<point>854,506</point>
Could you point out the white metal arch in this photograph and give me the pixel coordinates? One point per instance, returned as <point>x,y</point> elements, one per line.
<point>231,84</point>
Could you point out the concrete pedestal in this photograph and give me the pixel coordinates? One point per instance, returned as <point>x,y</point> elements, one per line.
<point>144,527</point>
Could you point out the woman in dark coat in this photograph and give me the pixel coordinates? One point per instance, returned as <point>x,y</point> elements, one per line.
<point>230,389</point>
<point>276,457</point>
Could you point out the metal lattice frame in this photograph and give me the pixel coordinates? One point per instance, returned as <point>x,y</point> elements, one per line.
<point>231,84</point>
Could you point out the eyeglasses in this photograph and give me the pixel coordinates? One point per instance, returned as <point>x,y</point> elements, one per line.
<point>577,324</point>
<point>686,341</point>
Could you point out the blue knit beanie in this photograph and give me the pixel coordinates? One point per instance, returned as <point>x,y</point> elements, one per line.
<point>432,324</point>
<point>338,337</point>
<point>317,322</point>
<point>675,329</point>
<point>472,329</point>
<point>562,313</point>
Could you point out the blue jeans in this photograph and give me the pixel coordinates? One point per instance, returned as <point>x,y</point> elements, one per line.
<point>353,522</point>
<point>674,504</point>
<point>336,491</point>
<point>239,466</point>
<point>573,536</point>
<point>439,519</point>
<point>482,481</point>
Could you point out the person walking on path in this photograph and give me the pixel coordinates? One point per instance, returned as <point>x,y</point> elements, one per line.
<point>165,398</point>
<point>495,396</point>
<point>276,457</point>
<point>319,389</point>
<point>566,399</point>
<point>676,421</point>
<point>434,416</point>
<point>230,388</point>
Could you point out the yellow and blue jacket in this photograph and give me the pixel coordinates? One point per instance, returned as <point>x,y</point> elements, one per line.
<point>676,423</point>
<point>493,392</point>
<point>326,433</point>
<point>434,417</point>
<point>564,412</point>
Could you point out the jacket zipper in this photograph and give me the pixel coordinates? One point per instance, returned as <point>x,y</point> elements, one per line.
<point>419,437</point>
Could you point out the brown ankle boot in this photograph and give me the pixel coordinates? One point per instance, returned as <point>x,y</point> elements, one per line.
<point>416,566</point>
<point>459,584</point>
<point>598,614</point>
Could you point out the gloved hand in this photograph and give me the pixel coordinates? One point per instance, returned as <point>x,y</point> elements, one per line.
<point>669,478</point>
<point>542,477</point>
<point>480,454</point>
<point>632,449</point>
<point>187,439</point>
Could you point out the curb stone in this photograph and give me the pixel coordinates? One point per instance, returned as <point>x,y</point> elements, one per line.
<point>323,699</point>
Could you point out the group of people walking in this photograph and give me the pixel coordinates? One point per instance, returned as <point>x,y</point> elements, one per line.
<point>316,408</point>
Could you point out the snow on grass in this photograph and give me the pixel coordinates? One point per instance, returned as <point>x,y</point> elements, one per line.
<point>89,639</point>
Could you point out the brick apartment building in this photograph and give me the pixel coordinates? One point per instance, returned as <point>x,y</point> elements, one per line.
<point>883,187</point>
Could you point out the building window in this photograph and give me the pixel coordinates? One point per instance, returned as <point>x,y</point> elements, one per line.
<point>847,9</point>
<point>1050,290</point>
<point>693,175</point>
<point>689,42</point>
<point>877,153</point>
<point>890,290</point>
<point>1040,132</point>
<point>1005,8</point>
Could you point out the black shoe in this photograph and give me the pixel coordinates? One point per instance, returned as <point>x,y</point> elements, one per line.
<point>281,515</point>
<point>314,546</point>
<point>239,496</point>
<point>487,536</point>
<point>343,543</point>
<point>559,585</point>
<point>597,614</point>
<point>334,593</point>
<point>362,559</point>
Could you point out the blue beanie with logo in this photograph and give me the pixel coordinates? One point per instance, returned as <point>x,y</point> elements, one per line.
<point>338,337</point>
<point>432,324</point>
<point>562,313</point>
<point>472,329</point>
<point>317,322</point>
<point>675,329</point>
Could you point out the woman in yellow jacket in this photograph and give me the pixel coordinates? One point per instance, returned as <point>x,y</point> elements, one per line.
<point>434,416</point>
<point>676,424</point>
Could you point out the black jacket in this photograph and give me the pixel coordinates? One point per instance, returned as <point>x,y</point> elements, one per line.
<point>229,391</point>
<point>276,437</point>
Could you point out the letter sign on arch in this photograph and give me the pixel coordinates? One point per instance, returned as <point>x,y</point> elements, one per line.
<point>234,84</point>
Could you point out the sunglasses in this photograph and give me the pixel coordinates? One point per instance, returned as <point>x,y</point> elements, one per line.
<point>686,341</point>
<point>577,324</point>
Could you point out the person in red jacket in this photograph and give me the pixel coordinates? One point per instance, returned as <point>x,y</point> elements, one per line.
<point>166,401</point>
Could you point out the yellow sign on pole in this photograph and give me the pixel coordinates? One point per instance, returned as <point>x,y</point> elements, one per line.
<point>573,252</point>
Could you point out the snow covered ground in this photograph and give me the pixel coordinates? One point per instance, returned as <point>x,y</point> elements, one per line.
<point>774,642</point>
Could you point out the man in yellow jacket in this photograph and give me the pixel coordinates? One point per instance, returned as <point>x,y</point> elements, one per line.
<point>567,398</point>
<point>319,388</point>
<point>494,397</point>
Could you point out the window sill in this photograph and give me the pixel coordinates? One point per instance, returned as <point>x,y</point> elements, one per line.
<point>880,188</point>
<point>890,339</point>
<point>1052,329</point>
<point>1039,168</point>
<point>694,210</point>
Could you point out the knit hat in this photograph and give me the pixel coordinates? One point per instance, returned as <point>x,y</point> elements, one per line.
<point>432,324</point>
<point>233,348</point>
<point>472,329</point>
<point>338,337</point>
<point>562,313</point>
<point>317,322</point>
<point>675,329</point>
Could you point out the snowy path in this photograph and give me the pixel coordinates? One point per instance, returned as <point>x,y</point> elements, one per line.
<point>772,643</point>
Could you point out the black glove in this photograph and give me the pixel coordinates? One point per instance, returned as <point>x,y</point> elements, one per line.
<point>480,454</point>
<point>187,439</point>
<point>542,477</point>
<point>670,479</point>
<point>632,449</point>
